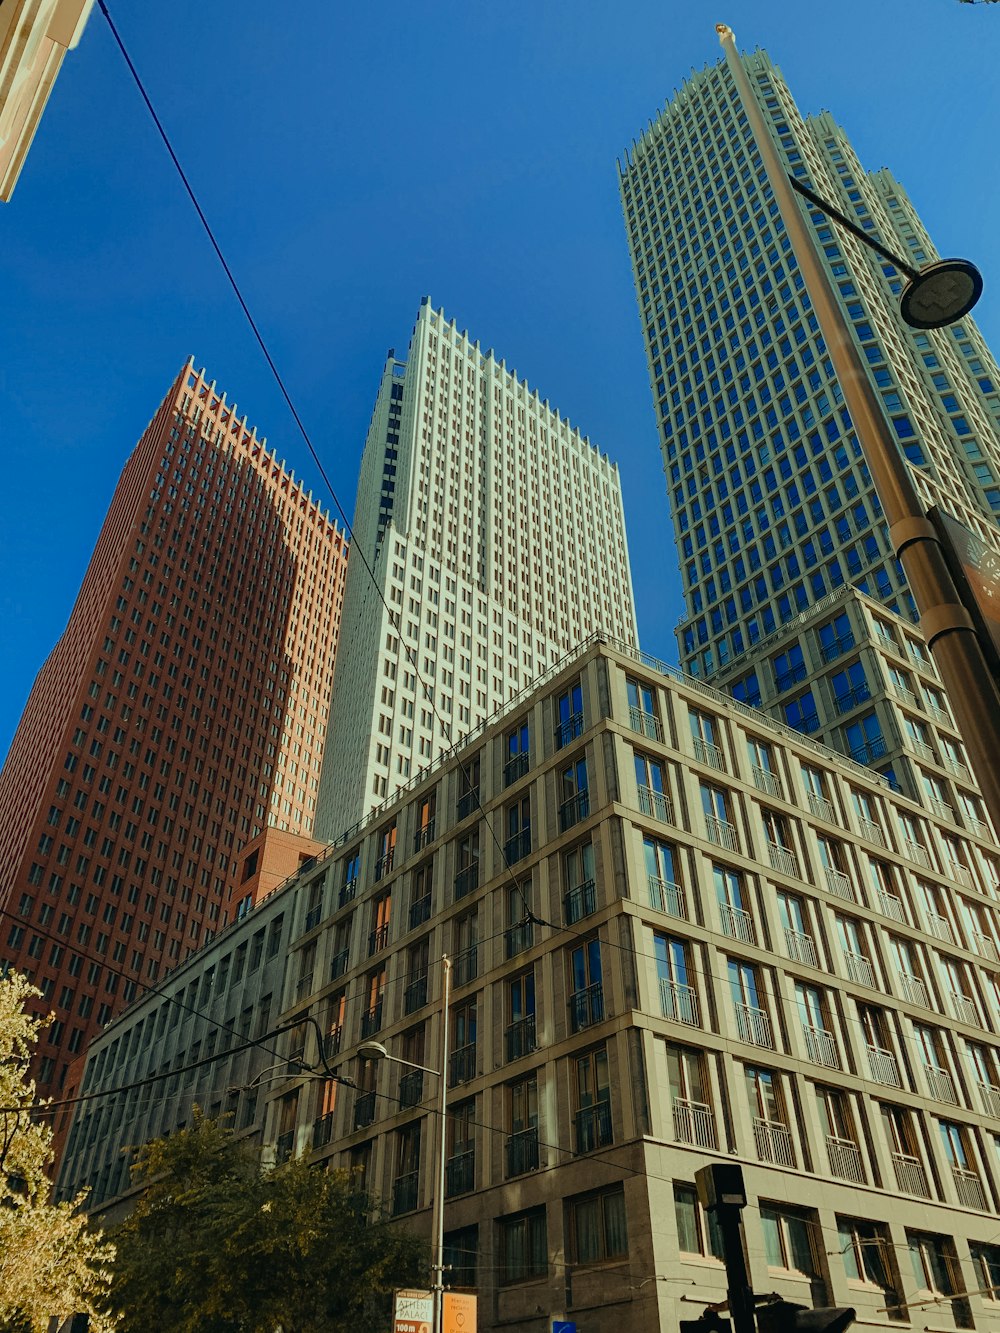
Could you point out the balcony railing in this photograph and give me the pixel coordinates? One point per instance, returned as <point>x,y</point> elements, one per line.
<point>420,911</point>
<point>411,1088</point>
<point>941,808</point>
<point>348,892</point>
<point>821,1046</point>
<point>313,917</point>
<point>766,781</point>
<point>283,1147</point>
<point>519,1038</point>
<point>465,965</point>
<point>415,994</point>
<point>782,858</point>
<point>679,1002</point>
<point>648,724</point>
<point>846,1162</point>
<point>960,873</point>
<point>969,1189</point>
<point>467,802</point>
<point>371,1022</point>
<point>964,1008</point>
<point>754,1026</point>
<point>579,902</point>
<point>423,835</point>
<point>940,927</point>
<point>467,880</point>
<point>303,986</point>
<point>911,1177</point>
<point>800,947</point>
<point>338,964</point>
<point>870,830</point>
<point>990,1095</point>
<point>706,752</point>
<point>586,1007</point>
<point>573,810</point>
<point>914,989</point>
<point>569,730</point>
<point>323,1130</point>
<point>737,923</point>
<point>940,1084</point>
<point>404,1193</point>
<point>849,699</point>
<point>593,1127</point>
<point>985,946</point>
<point>384,864</point>
<point>460,1173</point>
<point>522,1152</point>
<point>883,1067</point>
<point>916,851</point>
<point>518,938</point>
<point>860,969</point>
<point>656,804</point>
<point>773,1141</point>
<point>378,939</point>
<point>891,906</point>
<point>721,832</point>
<point>517,845</point>
<point>364,1109</point>
<point>667,897</point>
<point>840,884</point>
<point>835,648</point>
<point>870,751</point>
<point>822,808</point>
<point>955,765</point>
<point>516,767</point>
<point>462,1064</point>
<point>694,1123</point>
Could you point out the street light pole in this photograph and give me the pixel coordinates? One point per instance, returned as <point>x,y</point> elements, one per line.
<point>946,625</point>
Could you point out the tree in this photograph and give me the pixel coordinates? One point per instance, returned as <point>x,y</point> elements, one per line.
<point>51,1263</point>
<point>218,1244</point>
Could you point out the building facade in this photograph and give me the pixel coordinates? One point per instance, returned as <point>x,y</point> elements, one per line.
<point>739,948</point>
<point>772,501</point>
<point>494,537</point>
<point>181,713</point>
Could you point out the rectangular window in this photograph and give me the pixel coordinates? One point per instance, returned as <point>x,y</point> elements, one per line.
<point>697,1230</point>
<point>595,1226</point>
<point>523,1247</point>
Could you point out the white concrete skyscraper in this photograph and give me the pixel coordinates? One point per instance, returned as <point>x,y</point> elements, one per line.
<point>497,537</point>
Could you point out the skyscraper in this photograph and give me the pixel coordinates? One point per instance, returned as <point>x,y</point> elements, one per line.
<point>496,534</point>
<point>771,498</point>
<point>182,712</point>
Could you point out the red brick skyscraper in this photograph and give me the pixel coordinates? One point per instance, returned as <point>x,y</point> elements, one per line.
<point>182,712</point>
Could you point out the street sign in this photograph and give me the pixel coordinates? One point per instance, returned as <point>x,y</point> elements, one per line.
<point>563,1326</point>
<point>414,1312</point>
<point>458,1313</point>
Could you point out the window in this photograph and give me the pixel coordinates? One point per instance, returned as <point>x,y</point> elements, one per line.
<point>593,1101</point>
<point>520,1033</point>
<point>694,1119</point>
<point>651,785</point>
<point>586,1004</point>
<point>865,742</point>
<point>718,820</point>
<point>407,1178</point>
<point>904,1148</point>
<point>762,767</point>
<point>522,1111</point>
<point>869,1258</point>
<point>518,821</point>
<point>580,896</point>
<point>986,1261</point>
<point>665,892</point>
<point>772,1137</point>
<point>836,637</point>
<point>518,754</point>
<point>737,921</point>
<point>642,709</point>
<point>752,1021</point>
<point>595,1226</point>
<point>461,1249</point>
<point>837,1120</point>
<point>463,1041</point>
<point>788,1243</point>
<point>697,1230</point>
<point>523,1247</point>
<point>801,713</point>
<point>574,795</point>
<point>569,711</point>
<point>425,821</point>
<point>705,736</point>
<point>935,1270</point>
<point>789,667</point>
<point>461,1147</point>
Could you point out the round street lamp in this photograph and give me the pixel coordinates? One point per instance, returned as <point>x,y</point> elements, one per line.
<point>940,293</point>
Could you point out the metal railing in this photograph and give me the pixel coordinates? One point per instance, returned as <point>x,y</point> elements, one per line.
<point>667,897</point>
<point>516,767</point>
<point>883,1066</point>
<point>579,902</point>
<point>914,989</point>
<point>364,1109</point>
<point>424,835</point>
<point>800,946</point>
<point>782,858</point>
<point>969,1188</point>
<point>519,1038</point>
<point>891,906</point>
<point>518,938</point>
<point>462,1064</point>
<point>283,1147</point>
<point>415,994</point>
<point>323,1130</point>
<point>754,1026</point>
<point>840,884</point>
<point>737,923</point>
<point>411,1088</point>
<point>940,927</point>
<point>517,845</point>
<point>522,1152</point>
<point>656,804</point>
<point>593,1127</point>
<point>721,832</point>
<point>467,880</point>
<point>420,911</point>
<point>460,1173</point>
<point>821,1046</point>
<point>586,1007</point>
<point>338,964</point>
<point>773,1141</point>
<point>313,917</point>
<point>871,831</point>
<point>911,1177</point>
<point>694,1123</point>
<point>964,1008</point>
<point>573,810</point>
<point>766,781</point>
<point>837,647</point>
<point>707,752</point>
<point>465,965</point>
<point>846,1162</point>
<point>404,1193</point>
<point>378,939</point>
<point>985,946</point>
<point>348,892</point>
<point>384,863</point>
<point>371,1022</point>
<point>990,1095</point>
<point>940,1084</point>
<point>821,807</point>
<point>679,1002</point>
<point>916,851</point>
<point>860,969</point>
<point>569,730</point>
<point>647,724</point>
<point>466,803</point>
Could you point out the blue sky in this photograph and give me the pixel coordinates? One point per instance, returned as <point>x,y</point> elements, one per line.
<point>353,158</point>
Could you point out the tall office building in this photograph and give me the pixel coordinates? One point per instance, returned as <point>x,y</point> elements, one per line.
<point>496,535</point>
<point>771,498</point>
<point>182,712</point>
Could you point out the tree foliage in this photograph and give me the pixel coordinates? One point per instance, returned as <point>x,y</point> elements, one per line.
<point>50,1262</point>
<point>218,1244</point>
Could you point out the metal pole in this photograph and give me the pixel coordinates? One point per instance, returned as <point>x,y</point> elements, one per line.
<point>946,625</point>
<point>438,1286</point>
<point>739,1291</point>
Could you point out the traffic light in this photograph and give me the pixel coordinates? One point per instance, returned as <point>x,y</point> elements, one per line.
<point>787,1317</point>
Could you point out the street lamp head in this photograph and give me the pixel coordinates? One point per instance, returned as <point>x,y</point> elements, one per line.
<point>373,1050</point>
<point>940,294</point>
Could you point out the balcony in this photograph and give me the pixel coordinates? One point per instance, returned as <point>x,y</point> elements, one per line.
<point>979,827</point>
<point>911,1178</point>
<point>706,752</point>
<point>569,730</point>
<point>964,1008</point>
<point>467,880</point>
<point>516,767</point>
<point>940,927</point>
<point>860,970</point>
<point>920,748</point>
<point>990,1095</point>
<point>870,752</point>
<point>822,808</point>
<point>378,939</point>
<point>465,965</point>
<point>404,1193</point>
<point>969,1189</point>
<point>586,1007</point>
<point>423,835</point>
<point>517,845</point>
<point>722,833</point>
<point>782,859</point>
<point>593,1127</point>
<point>460,1174</point>
<point>960,873</point>
<point>371,1022</point>
<point>522,1152</point>
<point>679,1002</point>
<point>303,986</point>
<point>518,938</point>
<point>415,994</point>
<point>850,699</point>
<point>519,1038</point>
<point>917,852</point>
<point>913,989</point>
<point>953,765</point>
<point>737,923</point>
<point>667,897</point>
<point>579,902</point>
<point>462,1064</point>
<point>821,1046</point>
<point>656,805</point>
<point>773,1141</point>
<point>411,1088</point>
<point>338,964</point>
<point>348,892</point>
<point>647,724</point>
<point>940,1084</point>
<point>985,946</point>
<point>906,696</point>
<point>784,680</point>
<point>941,808</point>
<point>694,1123</point>
<point>766,781</point>
<point>800,947</point>
<point>754,1026</point>
<point>467,802</point>
<point>313,917</point>
<point>283,1147</point>
<point>573,810</point>
<point>384,864</point>
<point>883,1067</point>
<point>364,1109</point>
<point>420,911</point>
<point>845,1158</point>
<point>334,1038</point>
<point>837,647</point>
<point>870,830</point>
<point>891,906</point>
<point>323,1130</point>
<point>840,884</point>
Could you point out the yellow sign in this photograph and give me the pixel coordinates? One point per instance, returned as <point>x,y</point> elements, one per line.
<point>459,1313</point>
